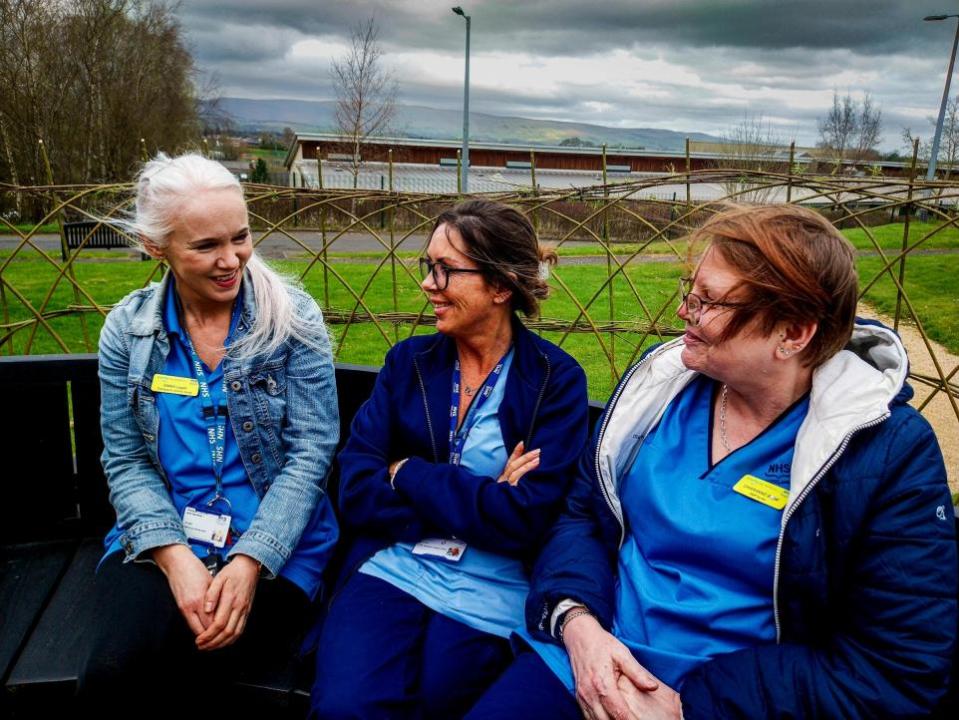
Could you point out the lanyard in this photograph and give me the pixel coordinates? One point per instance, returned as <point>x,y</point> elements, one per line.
<point>214,416</point>
<point>457,443</point>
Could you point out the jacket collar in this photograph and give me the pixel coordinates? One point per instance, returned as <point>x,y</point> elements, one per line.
<point>437,358</point>
<point>850,391</point>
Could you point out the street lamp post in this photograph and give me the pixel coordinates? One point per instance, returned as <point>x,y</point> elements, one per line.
<point>465,161</point>
<point>931,174</point>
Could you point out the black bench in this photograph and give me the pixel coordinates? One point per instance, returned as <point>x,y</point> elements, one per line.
<point>93,235</point>
<point>53,516</point>
<point>54,513</point>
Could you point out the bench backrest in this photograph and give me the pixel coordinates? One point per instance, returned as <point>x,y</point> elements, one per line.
<point>50,438</point>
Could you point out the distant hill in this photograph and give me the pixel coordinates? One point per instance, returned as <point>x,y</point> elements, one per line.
<point>417,121</point>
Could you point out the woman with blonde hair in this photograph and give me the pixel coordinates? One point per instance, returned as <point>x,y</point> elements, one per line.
<point>219,421</point>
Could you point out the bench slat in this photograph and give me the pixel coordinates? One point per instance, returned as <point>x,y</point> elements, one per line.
<point>53,653</point>
<point>28,576</point>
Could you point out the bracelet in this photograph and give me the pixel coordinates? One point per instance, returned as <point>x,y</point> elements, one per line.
<point>396,469</point>
<point>570,614</point>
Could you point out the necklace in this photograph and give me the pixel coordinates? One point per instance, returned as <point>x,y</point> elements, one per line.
<point>722,419</point>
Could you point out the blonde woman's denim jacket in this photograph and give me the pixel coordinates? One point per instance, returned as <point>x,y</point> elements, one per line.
<point>282,407</point>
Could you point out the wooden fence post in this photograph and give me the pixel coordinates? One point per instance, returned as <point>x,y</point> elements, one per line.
<point>66,253</point>
<point>326,273</point>
<point>792,160</point>
<point>905,234</point>
<point>392,219</point>
<point>609,266</point>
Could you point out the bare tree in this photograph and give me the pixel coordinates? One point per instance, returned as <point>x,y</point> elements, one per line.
<point>751,146</point>
<point>365,92</point>
<point>869,133</point>
<point>850,130</point>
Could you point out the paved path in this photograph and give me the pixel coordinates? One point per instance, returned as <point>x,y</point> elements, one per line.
<point>279,246</point>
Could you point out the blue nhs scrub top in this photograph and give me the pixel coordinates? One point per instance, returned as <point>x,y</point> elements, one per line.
<point>483,590</point>
<point>696,571</point>
<point>184,454</point>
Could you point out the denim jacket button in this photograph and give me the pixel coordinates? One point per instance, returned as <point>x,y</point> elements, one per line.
<point>256,457</point>
<point>235,386</point>
<point>247,426</point>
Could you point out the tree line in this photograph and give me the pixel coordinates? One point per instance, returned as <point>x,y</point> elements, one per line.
<point>100,82</point>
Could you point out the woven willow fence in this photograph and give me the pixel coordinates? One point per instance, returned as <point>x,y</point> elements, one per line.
<point>621,248</point>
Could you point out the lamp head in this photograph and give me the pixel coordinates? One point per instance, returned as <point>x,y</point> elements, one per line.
<point>459,11</point>
<point>933,18</point>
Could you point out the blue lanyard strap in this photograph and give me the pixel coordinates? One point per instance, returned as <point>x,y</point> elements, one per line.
<point>213,416</point>
<point>458,441</point>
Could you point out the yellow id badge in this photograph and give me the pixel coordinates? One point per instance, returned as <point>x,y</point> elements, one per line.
<point>762,491</point>
<point>175,385</point>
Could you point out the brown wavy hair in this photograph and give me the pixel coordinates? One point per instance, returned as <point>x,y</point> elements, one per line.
<point>502,242</point>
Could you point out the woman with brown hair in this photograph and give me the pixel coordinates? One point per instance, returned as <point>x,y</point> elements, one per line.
<point>454,470</point>
<point>761,525</point>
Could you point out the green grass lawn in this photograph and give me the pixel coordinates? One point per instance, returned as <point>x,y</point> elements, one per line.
<point>889,237</point>
<point>931,283</point>
<point>932,286</point>
<point>27,227</point>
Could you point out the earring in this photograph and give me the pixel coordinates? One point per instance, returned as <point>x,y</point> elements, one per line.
<point>784,351</point>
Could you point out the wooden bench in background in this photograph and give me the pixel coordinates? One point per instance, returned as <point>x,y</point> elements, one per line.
<point>93,235</point>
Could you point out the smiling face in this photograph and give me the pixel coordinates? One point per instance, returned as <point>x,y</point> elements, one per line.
<point>209,247</point>
<point>749,353</point>
<point>469,303</point>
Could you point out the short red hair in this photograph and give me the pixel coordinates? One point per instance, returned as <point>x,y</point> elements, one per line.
<point>794,266</point>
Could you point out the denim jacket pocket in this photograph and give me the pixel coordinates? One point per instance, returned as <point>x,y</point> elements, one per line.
<point>145,412</point>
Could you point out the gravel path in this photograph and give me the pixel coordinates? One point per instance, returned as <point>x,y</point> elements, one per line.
<point>939,412</point>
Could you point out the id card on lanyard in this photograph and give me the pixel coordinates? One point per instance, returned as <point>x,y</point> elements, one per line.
<point>210,524</point>
<point>452,549</point>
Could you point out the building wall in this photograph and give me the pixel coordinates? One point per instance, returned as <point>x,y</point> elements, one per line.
<point>545,160</point>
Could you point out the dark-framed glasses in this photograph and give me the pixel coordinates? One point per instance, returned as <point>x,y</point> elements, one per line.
<point>441,273</point>
<point>695,305</point>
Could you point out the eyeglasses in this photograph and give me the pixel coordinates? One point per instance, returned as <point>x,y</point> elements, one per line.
<point>695,305</point>
<point>441,273</point>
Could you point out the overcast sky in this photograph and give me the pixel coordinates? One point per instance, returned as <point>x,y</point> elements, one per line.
<point>685,65</point>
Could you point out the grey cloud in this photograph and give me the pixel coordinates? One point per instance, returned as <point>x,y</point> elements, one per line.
<point>569,27</point>
<point>249,43</point>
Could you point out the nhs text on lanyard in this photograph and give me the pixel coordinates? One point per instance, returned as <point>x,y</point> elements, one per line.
<point>207,526</point>
<point>457,443</point>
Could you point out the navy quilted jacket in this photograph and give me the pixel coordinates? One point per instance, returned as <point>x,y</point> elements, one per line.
<point>866,579</point>
<point>407,416</point>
